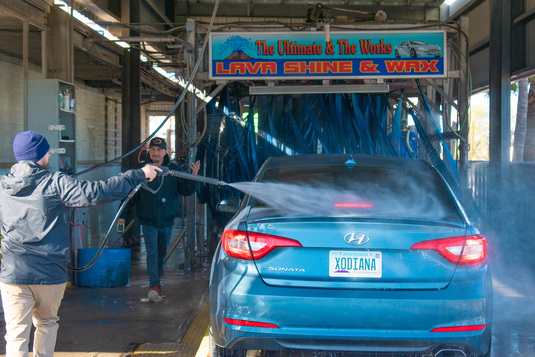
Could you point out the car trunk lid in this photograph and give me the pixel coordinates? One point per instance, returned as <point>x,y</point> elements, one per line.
<point>355,253</point>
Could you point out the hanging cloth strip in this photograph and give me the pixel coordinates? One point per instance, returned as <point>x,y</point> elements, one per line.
<point>396,127</point>
<point>331,121</point>
<point>316,125</point>
<point>251,134</point>
<point>450,161</point>
<point>234,140</point>
<point>435,158</point>
<point>300,139</point>
<point>362,126</point>
<point>327,124</point>
<point>350,135</point>
<point>378,118</point>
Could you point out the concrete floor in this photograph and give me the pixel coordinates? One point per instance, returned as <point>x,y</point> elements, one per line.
<point>108,322</point>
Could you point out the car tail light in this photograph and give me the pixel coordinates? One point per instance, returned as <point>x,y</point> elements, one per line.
<point>473,250</point>
<point>236,245</point>
<point>459,328</point>
<point>249,323</point>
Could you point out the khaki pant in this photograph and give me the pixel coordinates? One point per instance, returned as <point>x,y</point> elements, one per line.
<point>24,303</point>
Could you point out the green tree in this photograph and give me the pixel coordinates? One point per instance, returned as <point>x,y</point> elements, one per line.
<point>529,143</point>
<point>521,119</point>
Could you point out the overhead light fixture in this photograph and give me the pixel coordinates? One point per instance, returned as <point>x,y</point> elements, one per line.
<point>449,2</point>
<point>104,32</point>
<point>90,23</point>
<point>306,89</point>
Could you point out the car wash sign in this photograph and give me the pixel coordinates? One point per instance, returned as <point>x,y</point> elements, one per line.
<point>315,55</point>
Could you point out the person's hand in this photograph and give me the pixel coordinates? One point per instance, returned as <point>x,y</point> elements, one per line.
<point>151,171</point>
<point>195,167</point>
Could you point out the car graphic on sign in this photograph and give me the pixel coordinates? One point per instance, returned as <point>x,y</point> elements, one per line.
<point>417,48</point>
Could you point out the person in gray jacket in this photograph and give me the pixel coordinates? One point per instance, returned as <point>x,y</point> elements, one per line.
<point>35,207</point>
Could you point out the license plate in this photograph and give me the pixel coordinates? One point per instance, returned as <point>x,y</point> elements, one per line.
<point>355,264</point>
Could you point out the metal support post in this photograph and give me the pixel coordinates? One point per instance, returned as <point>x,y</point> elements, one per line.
<point>191,205</point>
<point>25,59</point>
<point>131,90</point>
<point>60,50</point>
<point>44,50</point>
<point>464,93</point>
<point>500,88</point>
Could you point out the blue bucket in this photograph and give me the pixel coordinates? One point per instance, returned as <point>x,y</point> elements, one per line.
<point>111,269</point>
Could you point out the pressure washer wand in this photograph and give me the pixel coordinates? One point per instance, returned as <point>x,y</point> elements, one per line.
<point>208,180</point>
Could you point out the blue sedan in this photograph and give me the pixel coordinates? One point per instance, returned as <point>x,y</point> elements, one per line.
<point>366,254</point>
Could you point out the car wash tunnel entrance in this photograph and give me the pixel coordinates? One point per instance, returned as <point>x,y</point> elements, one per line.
<point>340,205</point>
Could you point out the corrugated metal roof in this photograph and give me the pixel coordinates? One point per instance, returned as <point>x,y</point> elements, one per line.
<point>352,10</point>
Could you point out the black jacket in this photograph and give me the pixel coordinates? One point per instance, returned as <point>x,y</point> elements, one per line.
<point>160,209</point>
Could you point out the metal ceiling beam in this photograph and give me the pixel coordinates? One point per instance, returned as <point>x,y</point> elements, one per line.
<point>100,53</point>
<point>25,12</point>
<point>101,13</point>
<point>159,12</point>
<point>158,85</point>
<point>465,10</point>
<point>294,11</point>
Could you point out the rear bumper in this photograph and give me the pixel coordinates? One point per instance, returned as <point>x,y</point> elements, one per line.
<point>372,341</point>
<point>420,348</point>
<point>349,320</point>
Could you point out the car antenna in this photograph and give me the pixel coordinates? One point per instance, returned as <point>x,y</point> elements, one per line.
<point>350,163</point>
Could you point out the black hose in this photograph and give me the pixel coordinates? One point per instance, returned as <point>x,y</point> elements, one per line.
<point>128,198</point>
<point>165,172</point>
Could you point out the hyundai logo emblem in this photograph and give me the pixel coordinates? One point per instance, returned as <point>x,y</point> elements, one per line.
<point>356,238</point>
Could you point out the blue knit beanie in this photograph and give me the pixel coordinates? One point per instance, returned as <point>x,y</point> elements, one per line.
<point>29,145</point>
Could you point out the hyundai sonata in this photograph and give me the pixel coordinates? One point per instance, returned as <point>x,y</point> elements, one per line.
<point>358,253</point>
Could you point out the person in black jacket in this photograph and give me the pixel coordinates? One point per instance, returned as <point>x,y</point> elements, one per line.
<point>157,212</point>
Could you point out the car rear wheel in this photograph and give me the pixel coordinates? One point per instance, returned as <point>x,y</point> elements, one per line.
<point>217,351</point>
<point>413,53</point>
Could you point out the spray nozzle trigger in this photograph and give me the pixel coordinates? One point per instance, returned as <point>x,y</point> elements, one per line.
<point>164,172</point>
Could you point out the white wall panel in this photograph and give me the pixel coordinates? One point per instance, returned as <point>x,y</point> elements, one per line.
<point>479,29</point>
<point>90,107</point>
<point>479,69</point>
<point>90,127</point>
<point>12,104</point>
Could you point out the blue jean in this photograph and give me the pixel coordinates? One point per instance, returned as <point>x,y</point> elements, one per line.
<point>156,242</point>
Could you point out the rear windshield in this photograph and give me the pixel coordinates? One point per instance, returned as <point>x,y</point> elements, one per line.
<point>362,192</point>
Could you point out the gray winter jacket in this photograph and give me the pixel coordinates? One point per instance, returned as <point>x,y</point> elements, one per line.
<point>35,207</point>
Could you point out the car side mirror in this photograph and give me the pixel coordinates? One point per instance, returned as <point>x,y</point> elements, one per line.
<point>229,205</point>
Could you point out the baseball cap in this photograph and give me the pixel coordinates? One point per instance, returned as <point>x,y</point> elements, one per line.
<point>158,142</point>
